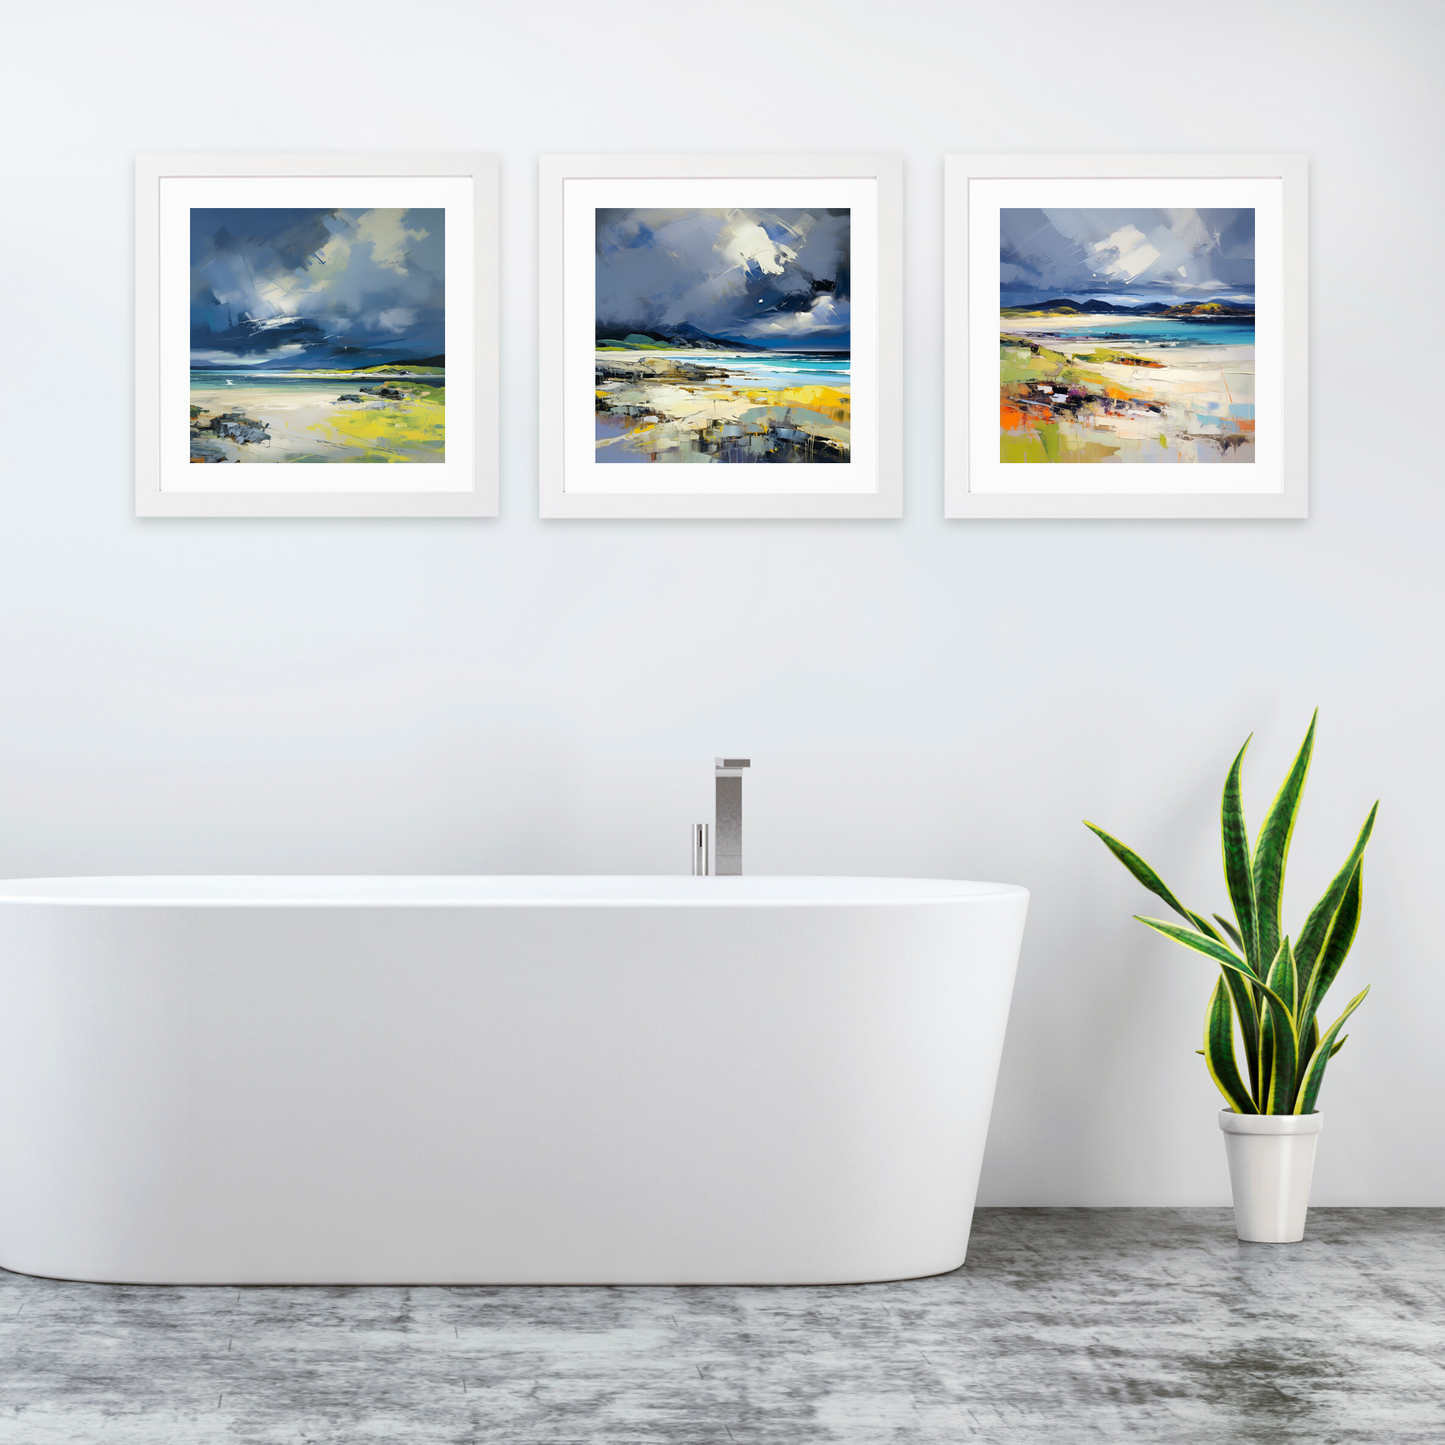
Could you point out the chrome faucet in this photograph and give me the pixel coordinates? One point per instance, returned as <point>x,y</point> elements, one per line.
<point>728,815</point>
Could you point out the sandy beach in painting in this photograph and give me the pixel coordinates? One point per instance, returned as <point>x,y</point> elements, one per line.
<point>1066,398</point>
<point>683,405</point>
<point>271,417</point>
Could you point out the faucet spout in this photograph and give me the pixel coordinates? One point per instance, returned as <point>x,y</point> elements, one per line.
<point>728,820</point>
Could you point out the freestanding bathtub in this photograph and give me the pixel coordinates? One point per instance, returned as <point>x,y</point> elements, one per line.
<point>576,1080</point>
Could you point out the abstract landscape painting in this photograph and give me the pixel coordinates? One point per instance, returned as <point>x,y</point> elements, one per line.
<point>317,335</point>
<point>722,336</point>
<point>1127,335</point>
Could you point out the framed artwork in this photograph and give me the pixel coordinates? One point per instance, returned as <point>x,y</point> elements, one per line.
<point>720,336</point>
<point>316,336</point>
<point>1126,336</point>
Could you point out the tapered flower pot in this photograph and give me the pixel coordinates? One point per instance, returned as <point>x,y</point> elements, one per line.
<point>1271,1163</point>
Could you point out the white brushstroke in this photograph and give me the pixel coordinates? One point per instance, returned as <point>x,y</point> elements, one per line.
<point>1132,253</point>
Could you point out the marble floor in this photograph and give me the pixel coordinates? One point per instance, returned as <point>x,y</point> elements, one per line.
<point>1065,1325</point>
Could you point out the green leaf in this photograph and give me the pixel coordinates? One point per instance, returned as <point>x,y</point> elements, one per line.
<point>1277,1061</point>
<point>1238,873</point>
<point>1231,930</point>
<point>1322,915</point>
<point>1339,1044</point>
<point>1283,976</point>
<point>1209,947</point>
<point>1142,871</point>
<point>1219,1051</point>
<point>1205,927</point>
<point>1246,1007</point>
<point>1271,850</point>
<point>1266,1039</point>
<point>1279,1037</point>
<point>1338,941</point>
<point>1313,1074</point>
<point>1279,1091</point>
<point>1266,1056</point>
<point>1340,911</point>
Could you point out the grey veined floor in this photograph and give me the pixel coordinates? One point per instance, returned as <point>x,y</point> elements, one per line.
<point>1065,1325</point>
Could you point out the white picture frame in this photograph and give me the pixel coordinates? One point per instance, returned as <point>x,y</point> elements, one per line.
<point>573,484</point>
<point>980,483</point>
<point>460,479</point>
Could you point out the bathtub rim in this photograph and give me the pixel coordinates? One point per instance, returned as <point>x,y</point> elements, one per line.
<point>495,890</point>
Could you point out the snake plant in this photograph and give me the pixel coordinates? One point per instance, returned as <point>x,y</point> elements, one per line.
<point>1270,988</point>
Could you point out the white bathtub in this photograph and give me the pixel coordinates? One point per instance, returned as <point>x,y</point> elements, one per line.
<point>497,1080</point>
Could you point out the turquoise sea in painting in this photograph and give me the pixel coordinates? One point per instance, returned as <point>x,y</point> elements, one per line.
<point>1171,332</point>
<point>248,380</point>
<point>827,368</point>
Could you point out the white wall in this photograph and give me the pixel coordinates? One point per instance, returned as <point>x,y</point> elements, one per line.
<point>919,697</point>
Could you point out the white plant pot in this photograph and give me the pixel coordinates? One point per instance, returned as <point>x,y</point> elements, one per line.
<point>1271,1163</point>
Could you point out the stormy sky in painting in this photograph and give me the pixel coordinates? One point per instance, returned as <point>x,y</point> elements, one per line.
<point>273,289</point>
<point>776,278</point>
<point>1126,255</point>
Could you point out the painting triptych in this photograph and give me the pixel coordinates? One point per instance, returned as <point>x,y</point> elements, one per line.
<point>721,337</point>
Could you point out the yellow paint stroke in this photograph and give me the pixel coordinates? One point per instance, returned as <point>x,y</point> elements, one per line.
<point>406,431</point>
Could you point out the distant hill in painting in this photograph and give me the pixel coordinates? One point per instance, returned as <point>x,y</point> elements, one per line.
<point>643,338</point>
<point>432,367</point>
<point>1209,308</point>
<point>1065,307</point>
